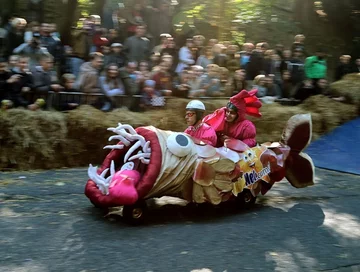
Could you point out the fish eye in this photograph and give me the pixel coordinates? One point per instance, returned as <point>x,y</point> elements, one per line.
<point>179,144</point>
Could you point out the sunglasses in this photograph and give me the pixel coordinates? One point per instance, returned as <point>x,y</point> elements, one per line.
<point>190,114</point>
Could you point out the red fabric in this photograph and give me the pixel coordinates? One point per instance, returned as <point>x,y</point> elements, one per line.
<point>247,103</point>
<point>99,41</point>
<point>204,133</point>
<point>241,129</point>
<point>163,81</point>
<point>146,182</point>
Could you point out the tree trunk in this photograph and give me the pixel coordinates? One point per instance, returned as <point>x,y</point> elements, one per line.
<point>70,10</point>
<point>99,8</point>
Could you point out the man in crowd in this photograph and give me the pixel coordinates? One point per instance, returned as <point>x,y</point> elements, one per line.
<point>137,47</point>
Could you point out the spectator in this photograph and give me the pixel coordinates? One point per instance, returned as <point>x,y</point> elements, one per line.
<point>299,45</point>
<point>357,66</point>
<point>13,61</point>
<point>256,62</point>
<point>81,45</point>
<point>286,85</point>
<point>99,39</point>
<point>53,46</point>
<point>163,79</point>
<point>88,81</point>
<point>260,85</point>
<point>273,88</point>
<point>117,56</point>
<point>195,80</point>
<point>239,82</point>
<point>5,78</point>
<point>315,66</point>
<point>15,36</point>
<point>136,48</point>
<point>32,50</point>
<point>245,54</point>
<point>72,101</point>
<point>220,58</point>
<point>150,96</point>
<point>111,83</point>
<point>309,88</point>
<point>132,84</point>
<point>207,58</point>
<point>211,81</point>
<point>185,56</point>
<point>296,68</point>
<point>44,78</point>
<point>344,67</point>
<point>163,43</point>
<point>182,84</point>
<point>114,37</point>
<point>23,85</point>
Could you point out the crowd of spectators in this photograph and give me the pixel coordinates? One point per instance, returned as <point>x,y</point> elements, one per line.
<point>103,61</point>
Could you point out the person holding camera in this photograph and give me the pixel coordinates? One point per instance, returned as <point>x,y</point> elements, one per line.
<point>32,50</point>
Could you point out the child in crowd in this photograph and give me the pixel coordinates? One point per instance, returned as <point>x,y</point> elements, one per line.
<point>150,96</point>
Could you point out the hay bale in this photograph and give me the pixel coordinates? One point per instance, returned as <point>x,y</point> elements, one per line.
<point>348,87</point>
<point>333,113</point>
<point>33,140</point>
<point>274,117</point>
<point>30,139</point>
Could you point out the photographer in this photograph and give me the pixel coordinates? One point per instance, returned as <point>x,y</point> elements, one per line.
<point>32,50</point>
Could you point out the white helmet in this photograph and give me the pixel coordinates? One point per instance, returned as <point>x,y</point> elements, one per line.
<point>195,105</point>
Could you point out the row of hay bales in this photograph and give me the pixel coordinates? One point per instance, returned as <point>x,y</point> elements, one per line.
<point>43,140</point>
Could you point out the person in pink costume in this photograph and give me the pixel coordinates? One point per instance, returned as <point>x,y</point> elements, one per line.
<point>195,110</point>
<point>231,122</point>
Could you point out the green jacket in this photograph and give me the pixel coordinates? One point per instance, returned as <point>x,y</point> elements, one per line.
<point>315,68</point>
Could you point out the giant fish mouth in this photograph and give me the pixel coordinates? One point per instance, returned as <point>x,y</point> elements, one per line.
<point>138,149</point>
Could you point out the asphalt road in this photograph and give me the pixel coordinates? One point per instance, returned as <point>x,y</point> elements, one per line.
<point>47,224</point>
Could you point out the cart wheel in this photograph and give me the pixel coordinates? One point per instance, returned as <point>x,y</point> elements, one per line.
<point>135,214</point>
<point>246,199</point>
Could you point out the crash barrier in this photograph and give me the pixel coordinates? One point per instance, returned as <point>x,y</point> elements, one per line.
<point>56,100</point>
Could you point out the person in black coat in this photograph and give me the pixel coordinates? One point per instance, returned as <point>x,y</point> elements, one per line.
<point>23,85</point>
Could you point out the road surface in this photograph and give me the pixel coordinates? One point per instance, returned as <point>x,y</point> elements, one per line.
<point>47,224</point>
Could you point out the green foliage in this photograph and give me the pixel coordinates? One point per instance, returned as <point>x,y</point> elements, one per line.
<point>85,7</point>
<point>228,16</point>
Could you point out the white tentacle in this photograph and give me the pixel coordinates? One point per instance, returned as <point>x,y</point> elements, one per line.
<point>112,168</point>
<point>140,155</point>
<point>146,147</point>
<point>128,127</point>
<point>144,161</point>
<point>131,150</point>
<point>140,138</point>
<point>98,179</point>
<point>120,138</point>
<point>114,147</point>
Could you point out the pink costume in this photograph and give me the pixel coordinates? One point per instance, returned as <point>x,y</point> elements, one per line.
<point>241,129</point>
<point>203,132</point>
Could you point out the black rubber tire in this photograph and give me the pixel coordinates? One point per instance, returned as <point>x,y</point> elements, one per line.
<point>135,214</point>
<point>245,199</point>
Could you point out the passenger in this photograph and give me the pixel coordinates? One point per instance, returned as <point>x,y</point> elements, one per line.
<point>231,122</point>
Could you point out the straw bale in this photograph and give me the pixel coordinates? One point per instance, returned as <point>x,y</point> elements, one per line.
<point>348,87</point>
<point>333,113</point>
<point>31,139</point>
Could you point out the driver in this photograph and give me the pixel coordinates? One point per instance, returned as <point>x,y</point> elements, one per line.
<point>230,121</point>
<point>195,111</point>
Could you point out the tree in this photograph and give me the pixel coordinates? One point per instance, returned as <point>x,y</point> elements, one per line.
<point>226,17</point>
<point>69,7</point>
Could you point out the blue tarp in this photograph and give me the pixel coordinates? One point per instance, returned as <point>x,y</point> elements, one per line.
<point>339,150</point>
